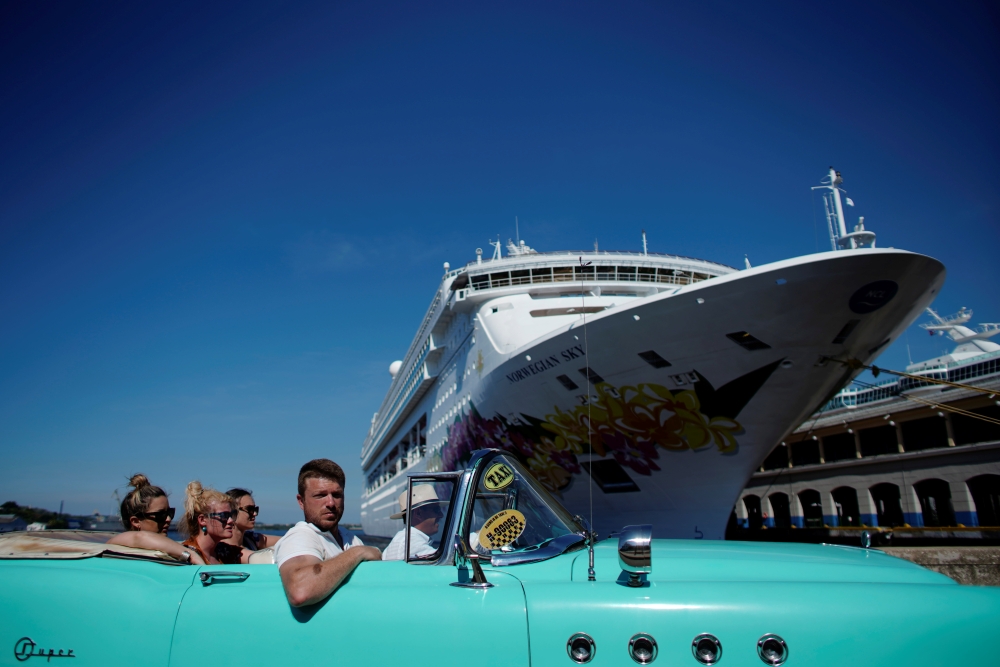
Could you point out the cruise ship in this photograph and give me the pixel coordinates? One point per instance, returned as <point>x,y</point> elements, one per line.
<point>638,387</point>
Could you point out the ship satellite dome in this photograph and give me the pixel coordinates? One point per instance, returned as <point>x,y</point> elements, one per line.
<point>394,368</point>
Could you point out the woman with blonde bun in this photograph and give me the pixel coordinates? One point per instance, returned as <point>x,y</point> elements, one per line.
<point>146,516</point>
<point>209,518</point>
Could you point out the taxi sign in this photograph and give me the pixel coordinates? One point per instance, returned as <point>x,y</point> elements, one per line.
<point>499,476</point>
<point>501,529</point>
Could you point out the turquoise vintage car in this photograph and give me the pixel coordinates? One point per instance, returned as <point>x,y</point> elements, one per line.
<point>514,584</point>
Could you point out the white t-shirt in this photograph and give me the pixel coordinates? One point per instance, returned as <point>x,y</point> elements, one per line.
<point>305,539</point>
<point>420,545</point>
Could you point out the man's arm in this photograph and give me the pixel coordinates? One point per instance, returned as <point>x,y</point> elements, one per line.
<point>308,580</point>
<point>143,539</point>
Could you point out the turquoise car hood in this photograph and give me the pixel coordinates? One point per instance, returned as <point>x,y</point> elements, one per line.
<point>695,560</point>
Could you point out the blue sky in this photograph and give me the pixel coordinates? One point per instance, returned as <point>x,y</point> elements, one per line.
<point>219,224</point>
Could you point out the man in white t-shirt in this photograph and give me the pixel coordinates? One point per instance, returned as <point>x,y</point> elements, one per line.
<point>424,524</point>
<point>316,555</point>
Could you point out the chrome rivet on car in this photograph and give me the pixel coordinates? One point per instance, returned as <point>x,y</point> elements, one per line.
<point>642,648</point>
<point>707,649</point>
<point>581,648</point>
<point>772,649</point>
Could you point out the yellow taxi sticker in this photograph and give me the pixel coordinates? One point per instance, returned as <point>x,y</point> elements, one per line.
<point>499,476</point>
<point>501,529</point>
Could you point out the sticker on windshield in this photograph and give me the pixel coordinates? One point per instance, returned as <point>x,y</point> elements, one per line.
<point>499,476</point>
<point>501,529</point>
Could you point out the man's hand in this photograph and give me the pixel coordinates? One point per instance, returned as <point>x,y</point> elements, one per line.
<point>308,580</point>
<point>369,553</point>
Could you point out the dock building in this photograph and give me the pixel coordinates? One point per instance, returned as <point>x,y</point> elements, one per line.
<point>907,452</point>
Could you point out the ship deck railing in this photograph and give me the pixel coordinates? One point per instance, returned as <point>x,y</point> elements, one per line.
<point>569,274</point>
<point>981,366</point>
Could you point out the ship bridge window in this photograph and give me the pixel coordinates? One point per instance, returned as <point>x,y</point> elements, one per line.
<point>541,275</point>
<point>812,508</point>
<point>672,277</point>
<point>985,490</point>
<point>562,274</point>
<point>887,507</point>
<point>605,273</point>
<point>647,274</point>
<point>522,277</point>
<point>481,281</point>
<point>845,499</point>
<point>935,502</point>
<point>584,272</point>
<point>500,279</point>
<point>626,273</point>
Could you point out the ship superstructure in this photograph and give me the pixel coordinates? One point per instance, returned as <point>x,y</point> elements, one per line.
<point>657,383</point>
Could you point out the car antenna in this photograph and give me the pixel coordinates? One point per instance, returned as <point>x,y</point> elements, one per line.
<point>591,576</point>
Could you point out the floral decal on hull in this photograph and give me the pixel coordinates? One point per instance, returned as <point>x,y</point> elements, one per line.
<point>629,423</point>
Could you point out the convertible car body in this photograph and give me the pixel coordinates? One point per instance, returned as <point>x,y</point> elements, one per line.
<point>512,581</point>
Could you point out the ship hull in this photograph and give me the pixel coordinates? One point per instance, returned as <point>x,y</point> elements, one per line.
<point>672,437</point>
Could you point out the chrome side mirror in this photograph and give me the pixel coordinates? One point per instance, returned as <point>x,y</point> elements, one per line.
<point>466,557</point>
<point>635,552</point>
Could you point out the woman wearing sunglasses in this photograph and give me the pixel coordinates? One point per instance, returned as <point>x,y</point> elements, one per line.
<point>146,515</point>
<point>209,518</point>
<point>246,518</point>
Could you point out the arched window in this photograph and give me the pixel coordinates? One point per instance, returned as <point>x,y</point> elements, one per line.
<point>845,499</point>
<point>782,510</point>
<point>812,508</point>
<point>754,518</point>
<point>887,507</point>
<point>935,502</point>
<point>985,490</point>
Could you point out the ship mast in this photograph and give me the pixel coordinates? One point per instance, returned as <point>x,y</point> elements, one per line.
<point>840,238</point>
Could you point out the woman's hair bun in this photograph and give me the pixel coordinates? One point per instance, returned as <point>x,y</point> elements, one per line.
<point>138,480</point>
<point>194,489</point>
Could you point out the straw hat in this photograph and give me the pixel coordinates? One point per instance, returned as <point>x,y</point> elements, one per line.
<point>423,494</point>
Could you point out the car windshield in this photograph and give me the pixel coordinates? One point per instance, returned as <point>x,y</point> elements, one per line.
<point>512,512</point>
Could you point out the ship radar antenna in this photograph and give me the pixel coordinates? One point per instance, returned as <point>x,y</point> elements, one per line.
<point>496,248</point>
<point>644,251</point>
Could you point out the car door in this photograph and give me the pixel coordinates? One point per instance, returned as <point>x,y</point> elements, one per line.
<point>386,612</point>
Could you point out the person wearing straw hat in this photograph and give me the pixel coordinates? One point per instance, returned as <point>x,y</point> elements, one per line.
<point>424,524</point>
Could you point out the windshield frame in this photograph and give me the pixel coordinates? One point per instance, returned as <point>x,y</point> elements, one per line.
<point>552,548</point>
<point>446,550</point>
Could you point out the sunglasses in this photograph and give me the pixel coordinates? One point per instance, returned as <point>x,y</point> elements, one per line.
<point>223,517</point>
<point>251,510</point>
<point>161,516</point>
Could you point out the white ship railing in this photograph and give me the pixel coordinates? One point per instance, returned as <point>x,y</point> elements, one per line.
<point>398,386</point>
<point>980,366</point>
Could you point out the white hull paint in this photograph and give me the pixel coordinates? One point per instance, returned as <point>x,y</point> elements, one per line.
<point>719,407</point>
